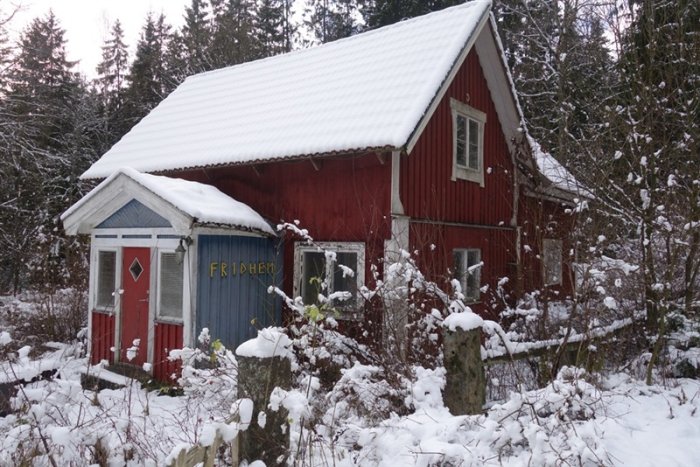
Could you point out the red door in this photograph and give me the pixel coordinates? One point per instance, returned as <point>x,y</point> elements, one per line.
<point>136,273</point>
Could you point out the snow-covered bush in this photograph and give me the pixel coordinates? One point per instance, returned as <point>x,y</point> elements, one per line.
<point>50,316</point>
<point>209,372</point>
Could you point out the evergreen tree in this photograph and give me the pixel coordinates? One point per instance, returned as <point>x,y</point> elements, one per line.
<point>5,53</point>
<point>232,32</point>
<point>150,78</point>
<point>196,38</point>
<point>42,84</point>
<point>380,13</point>
<point>562,70</point>
<point>111,84</point>
<point>38,169</point>
<point>273,30</point>
<point>331,20</point>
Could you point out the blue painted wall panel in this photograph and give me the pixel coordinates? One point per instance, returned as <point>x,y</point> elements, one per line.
<point>134,214</point>
<point>234,274</point>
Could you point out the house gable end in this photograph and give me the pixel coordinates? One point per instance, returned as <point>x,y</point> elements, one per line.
<point>428,188</point>
<point>487,45</point>
<point>111,197</point>
<point>134,214</point>
<point>491,57</point>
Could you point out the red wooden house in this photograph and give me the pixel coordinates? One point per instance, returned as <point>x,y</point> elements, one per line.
<point>406,137</point>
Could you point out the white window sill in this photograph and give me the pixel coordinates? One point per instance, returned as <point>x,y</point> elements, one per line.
<point>463,173</point>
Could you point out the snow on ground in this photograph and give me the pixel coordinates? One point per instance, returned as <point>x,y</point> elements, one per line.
<point>570,422</point>
<point>127,423</point>
<point>618,421</point>
<point>24,368</point>
<point>652,426</point>
<point>621,422</point>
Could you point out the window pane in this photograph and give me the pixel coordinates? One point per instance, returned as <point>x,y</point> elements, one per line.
<point>313,272</point>
<point>458,264</point>
<point>552,261</point>
<point>461,140</point>
<point>470,280</point>
<point>473,144</point>
<point>106,278</point>
<point>348,283</point>
<point>170,286</point>
<point>473,277</point>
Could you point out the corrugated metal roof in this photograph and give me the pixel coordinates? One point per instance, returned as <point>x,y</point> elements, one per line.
<point>366,91</point>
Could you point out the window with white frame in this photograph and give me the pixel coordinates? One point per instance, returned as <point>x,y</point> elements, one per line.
<point>551,261</point>
<point>467,142</point>
<point>170,286</point>
<point>341,265</point>
<point>106,279</point>
<point>467,270</point>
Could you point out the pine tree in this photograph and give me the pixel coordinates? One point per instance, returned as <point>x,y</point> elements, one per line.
<point>331,20</point>
<point>38,170</point>
<point>150,80</point>
<point>562,71</point>
<point>111,84</point>
<point>380,13</point>
<point>273,30</point>
<point>5,51</point>
<point>196,38</point>
<point>232,32</point>
<point>43,83</point>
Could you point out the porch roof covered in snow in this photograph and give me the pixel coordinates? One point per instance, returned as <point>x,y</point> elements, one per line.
<point>372,91</point>
<point>174,202</point>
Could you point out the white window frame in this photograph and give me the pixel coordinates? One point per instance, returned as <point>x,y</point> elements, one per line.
<point>473,296</point>
<point>159,316</point>
<point>552,261</point>
<point>117,281</point>
<point>464,172</point>
<point>338,247</point>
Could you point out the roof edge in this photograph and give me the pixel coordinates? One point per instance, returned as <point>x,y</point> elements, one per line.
<point>294,158</point>
<point>449,77</point>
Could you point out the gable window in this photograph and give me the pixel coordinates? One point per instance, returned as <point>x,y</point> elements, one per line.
<point>467,142</point>
<point>342,265</point>
<point>551,260</point>
<point>467,268</point>
<point>170,282</point>
<point>106,279</point>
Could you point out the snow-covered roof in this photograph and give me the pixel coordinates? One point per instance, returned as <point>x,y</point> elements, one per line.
<point>368,91</point>
<point>194,203</point>
<point>556,173</point>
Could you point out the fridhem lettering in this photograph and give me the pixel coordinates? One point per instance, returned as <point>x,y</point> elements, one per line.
<point>235,268</point>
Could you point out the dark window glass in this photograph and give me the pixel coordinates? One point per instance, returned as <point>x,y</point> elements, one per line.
<point>106,278</point>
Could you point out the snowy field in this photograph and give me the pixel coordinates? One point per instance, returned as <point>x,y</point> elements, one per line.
<point>617,422</point>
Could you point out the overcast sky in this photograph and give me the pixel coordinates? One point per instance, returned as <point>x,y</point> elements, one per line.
<point>87,22</point>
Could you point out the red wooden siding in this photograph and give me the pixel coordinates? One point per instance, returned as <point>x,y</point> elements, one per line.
<point>427,190</point>
<point>497,253</point>
<point>167,336</point>
<point>347,199</point>
<point>102,337</point>
<point>542,219</point>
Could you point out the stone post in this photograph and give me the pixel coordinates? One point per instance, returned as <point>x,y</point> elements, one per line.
<point>465,386</point>
<point>263,364</point>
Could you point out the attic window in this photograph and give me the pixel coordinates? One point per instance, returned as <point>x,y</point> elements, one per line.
<point>467,142</point>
